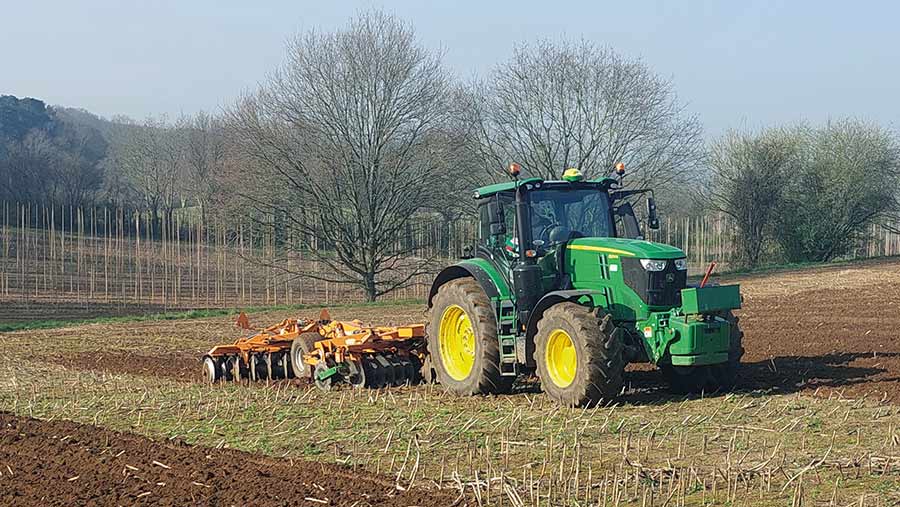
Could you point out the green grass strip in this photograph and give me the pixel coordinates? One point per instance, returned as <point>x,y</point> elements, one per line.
<point>190,314</point>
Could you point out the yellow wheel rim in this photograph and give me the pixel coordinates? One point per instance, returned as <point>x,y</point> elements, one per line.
<point>457,341</point>
<point>560,357</point>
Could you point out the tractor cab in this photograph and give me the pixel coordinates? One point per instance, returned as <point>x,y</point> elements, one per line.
<point>555,212</point>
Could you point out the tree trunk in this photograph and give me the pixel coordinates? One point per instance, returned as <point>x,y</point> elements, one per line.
<point>371,291</point>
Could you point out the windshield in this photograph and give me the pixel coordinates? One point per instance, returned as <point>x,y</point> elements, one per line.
<point>565,213</point>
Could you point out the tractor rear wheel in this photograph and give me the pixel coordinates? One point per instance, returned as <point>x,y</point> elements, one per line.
<point>579,355</point>
<point>462,340</point>
<point>717,377</point>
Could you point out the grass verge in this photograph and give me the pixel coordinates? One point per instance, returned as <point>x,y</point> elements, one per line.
<point>189,314</point>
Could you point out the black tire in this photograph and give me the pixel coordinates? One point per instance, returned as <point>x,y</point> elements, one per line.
<point>599,347</point>
<point>713,378</point>
<point>484,376</point>
<point>212,370</point>
<point>303,344</point>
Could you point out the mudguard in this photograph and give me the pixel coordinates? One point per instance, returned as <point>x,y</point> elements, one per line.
<point>482,270</point>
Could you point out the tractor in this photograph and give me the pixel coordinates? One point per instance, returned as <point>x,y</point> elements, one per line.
<point>562,283</point>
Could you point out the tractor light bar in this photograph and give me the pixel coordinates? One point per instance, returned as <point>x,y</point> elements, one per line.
<point>653,264</point>
<point>681,264</point>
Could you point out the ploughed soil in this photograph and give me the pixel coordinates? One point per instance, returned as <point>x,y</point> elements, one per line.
<point>47,463</point>
<point>833,331</point>
<point>173,367</point>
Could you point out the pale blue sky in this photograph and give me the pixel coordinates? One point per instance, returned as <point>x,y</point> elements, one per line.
<point>734,63</point>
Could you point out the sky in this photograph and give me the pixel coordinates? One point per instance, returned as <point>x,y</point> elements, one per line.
<point>736,64</point>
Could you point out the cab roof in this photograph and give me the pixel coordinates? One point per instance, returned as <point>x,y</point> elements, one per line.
<point>489,190</point>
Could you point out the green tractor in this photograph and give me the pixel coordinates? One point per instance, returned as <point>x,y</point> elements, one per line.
<point>562,283</point>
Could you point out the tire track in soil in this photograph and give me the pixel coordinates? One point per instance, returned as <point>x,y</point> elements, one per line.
<point>56,463</point>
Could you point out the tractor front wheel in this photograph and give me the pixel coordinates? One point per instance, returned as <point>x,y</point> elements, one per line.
<point>462,340</point>
<point>579,355</point>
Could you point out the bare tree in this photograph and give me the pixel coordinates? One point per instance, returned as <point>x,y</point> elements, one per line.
<point>344,139</point>
<point>25,168</point>
<point>205,149</point>
<point>749,175</point>
<point>77,172</point>
<point>560,105</point>
<point>151,157</point>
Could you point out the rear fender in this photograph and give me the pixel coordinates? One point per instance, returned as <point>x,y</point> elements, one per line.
<point>483,271</point>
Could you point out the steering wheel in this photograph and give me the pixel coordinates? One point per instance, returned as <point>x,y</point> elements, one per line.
<point>560,233</point>
<point>544,235</point>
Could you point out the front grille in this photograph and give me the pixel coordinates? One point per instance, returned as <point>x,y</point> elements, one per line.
<point>656,288</point>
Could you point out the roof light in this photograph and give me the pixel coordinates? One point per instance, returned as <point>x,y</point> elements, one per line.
<point>573,174</point>
<point>514,169</point>
<point>620,168</point>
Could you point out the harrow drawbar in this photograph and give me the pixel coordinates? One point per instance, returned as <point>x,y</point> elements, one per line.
<point>325,351</point>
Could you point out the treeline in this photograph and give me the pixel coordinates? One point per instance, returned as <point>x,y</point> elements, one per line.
<point>62,157</point>
<point>49,155</point>
<point>363,130</point>
<point>806,193</point>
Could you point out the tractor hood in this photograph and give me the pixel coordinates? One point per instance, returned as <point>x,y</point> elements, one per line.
<point>627,248</point>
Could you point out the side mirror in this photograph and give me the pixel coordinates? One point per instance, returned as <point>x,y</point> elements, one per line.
<point>495,218</point>
<point>652,217</point>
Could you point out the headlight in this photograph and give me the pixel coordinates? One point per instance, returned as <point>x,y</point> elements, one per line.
<point>681,264</point>
<point>653,265</point>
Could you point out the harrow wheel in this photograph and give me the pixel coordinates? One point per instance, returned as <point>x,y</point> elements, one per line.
<point>323,384</point>
<point>302,345</point>
<point>238,368</point>
<point>212,369</point>
<point>275,365</point>
<point>356,375</point>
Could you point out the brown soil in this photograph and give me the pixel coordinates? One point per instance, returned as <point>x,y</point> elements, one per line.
<point>47,463</point>
<point>173,367</point>
<point>835,337</point>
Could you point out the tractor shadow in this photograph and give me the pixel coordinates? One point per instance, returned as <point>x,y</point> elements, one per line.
<point>783,375</point>
<point>791,374</point>
<point>645,384</point>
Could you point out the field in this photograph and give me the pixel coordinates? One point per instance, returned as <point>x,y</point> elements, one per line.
<point>121,418</point>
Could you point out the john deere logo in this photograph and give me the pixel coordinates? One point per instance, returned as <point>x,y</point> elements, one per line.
<point>670,277</point>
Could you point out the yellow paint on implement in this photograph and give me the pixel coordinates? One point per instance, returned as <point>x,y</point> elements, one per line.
<point>457,342</point>
<point>602,249</point>
<point>561,358</point>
